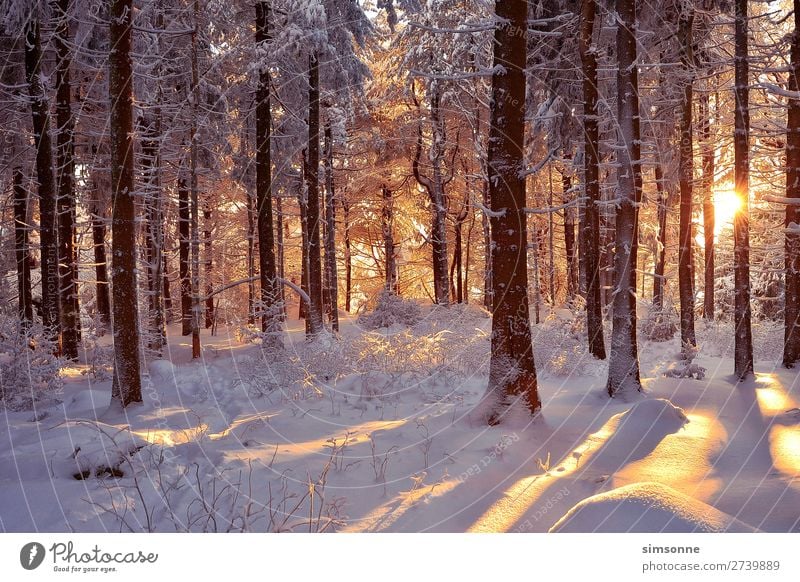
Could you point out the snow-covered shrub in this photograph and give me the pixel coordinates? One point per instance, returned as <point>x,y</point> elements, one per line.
<point>261,375</point>
<point>391,309</point>
<point>559,344</point>
<point>100,360</point>
<point>660,325</point>
<point>29,372</point>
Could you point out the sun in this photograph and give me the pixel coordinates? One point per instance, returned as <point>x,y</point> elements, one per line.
<point>726,204</point>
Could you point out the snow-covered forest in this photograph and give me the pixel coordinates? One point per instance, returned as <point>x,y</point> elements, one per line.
<point>399,265</point>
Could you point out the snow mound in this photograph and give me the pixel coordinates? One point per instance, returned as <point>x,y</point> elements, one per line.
<point>81,451</point>
<point>636,432</point>
<point>646,508</point>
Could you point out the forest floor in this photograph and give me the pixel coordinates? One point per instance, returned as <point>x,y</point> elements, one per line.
<point>373,431</point>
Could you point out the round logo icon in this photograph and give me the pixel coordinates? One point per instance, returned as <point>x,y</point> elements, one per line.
<point>31,555</point>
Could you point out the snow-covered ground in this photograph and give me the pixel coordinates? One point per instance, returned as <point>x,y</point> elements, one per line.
<point>372,432</point>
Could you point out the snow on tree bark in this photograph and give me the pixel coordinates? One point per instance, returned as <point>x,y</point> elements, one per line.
<point>623,366</point>
<point>708,206</point>
<point>48,220</point>
<point>25,297</point>
<point>743,345</point>
<point>589,240</point>
<point>791,350</point>
<point>331,275</point>
<point>512,372</point>
<point>183,256</point>
<point>271,310</point>
<point>65,171</point>
<point>314,318</point>
<point>126,385</point>
<point>686,180</point>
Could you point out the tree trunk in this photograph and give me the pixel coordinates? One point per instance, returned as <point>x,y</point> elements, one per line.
<point>281,258</point>
<point>48,234</point>
<point>331,275</point>
<point>512,372</point>
<point>488,300</point>
<point>101,266</point>
<point>194,189</point>
<point>314,319</point>
<point>183,257</point>
<point>251,258</point>
<point>661,253</point>
<point>623,367</point>
<point>743,347</point>
<point>791,350</point>
<point>348,257</point>
<point>686,179</point>
<point>569,238</point>
<point>126,386</point>
<point>65,170</point>
<point>154,238</point>
<point>387,222</point>
<point>536,245</point>
<point>271,310</point>
<point>303,203</point>
<point>167,296</point>
<point>457,268</point>
<point>209,268</point>
<point>434,186</point>
<point>25,296</point>
<point>708,206</point>
<point>590,227</point>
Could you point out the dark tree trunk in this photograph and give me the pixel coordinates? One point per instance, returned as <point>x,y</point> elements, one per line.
<point>271,310</point>
<point>590,228</point>
<point>281,256</point>
<point>25,297</point>
<point>512,372</point>
<point>314,319</point>
<point>387,222</point>
<point>101,266</point>
<point>194,188</point>
<point>623,367</point>
<point>661,252</point>
<point>457,267</point>
<point>303,203</point>
<point>348,257</point>
<point>167,296</point>
<point>183,257</point>
<point>569,239</point>
<point>48,234</point>
<point>536,245</point>
<point>209,268</point>
<point>126,386</point>
<point>154,239</point>
<point>488,300</point>
<point>434,186</point>
<point>331,275</point>
<point>251,258</point>
<point>65,170</point>
<point>708,207</point>
<point>791,351</point>
<point>743,347</point>
<point>686,180</point>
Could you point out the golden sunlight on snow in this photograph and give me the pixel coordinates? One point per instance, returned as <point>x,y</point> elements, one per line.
<point>784,440</point>
<point>784,444</point>
<point>682,460</point>
<point>171,438</point>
